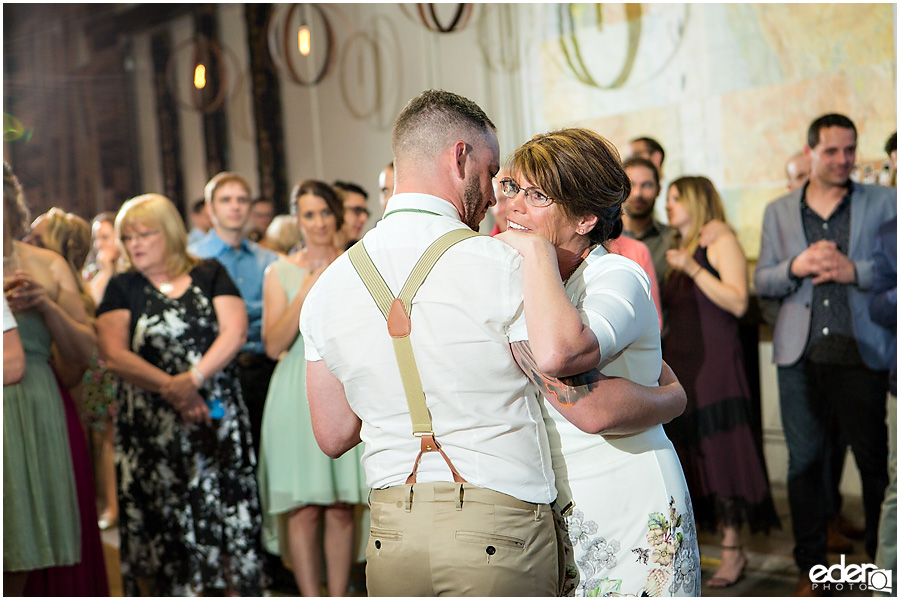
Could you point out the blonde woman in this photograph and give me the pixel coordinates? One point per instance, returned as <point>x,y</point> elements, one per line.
<point>170,326</point>
<point>282,235</point>
<point>704,294</point>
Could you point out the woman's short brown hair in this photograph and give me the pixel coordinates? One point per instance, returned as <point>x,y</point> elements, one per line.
<point>581,171</point>
<point>157,211</point>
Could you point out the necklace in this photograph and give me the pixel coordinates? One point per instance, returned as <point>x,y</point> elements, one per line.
<point>166,288</point>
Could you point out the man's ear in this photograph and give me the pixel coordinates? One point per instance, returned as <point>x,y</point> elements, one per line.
<point>460,156</point>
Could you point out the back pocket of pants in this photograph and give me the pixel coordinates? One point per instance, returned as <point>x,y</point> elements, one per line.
<point>490,539</point>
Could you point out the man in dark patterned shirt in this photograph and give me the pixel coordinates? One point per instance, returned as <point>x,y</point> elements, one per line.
<point>816,258</point>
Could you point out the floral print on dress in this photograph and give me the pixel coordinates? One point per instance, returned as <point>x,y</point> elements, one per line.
<point>671,556</point>
<point>189,518</point>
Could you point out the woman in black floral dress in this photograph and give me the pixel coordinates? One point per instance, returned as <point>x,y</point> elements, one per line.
<point>170,327</point>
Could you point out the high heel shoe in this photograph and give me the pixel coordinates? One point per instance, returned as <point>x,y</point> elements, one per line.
<point>721,582</point>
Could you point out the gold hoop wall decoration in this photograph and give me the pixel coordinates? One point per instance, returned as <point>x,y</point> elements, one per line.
<point>428,16</point>
<point>203,78</point>
<point>282,50</point>
<point>634,15</point>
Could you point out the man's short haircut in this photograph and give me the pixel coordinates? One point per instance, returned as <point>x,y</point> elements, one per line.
<point>347,186</point>
<point>891,144</point>
<point>640,161</point>
<point>653,145</point>
<point>221,179</point>
<point>434,119</point>
<point>198,206</point>
<point>261,200</point>
<point>829,120</point>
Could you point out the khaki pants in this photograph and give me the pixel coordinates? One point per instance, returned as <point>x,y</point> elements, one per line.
<point>456,539</point>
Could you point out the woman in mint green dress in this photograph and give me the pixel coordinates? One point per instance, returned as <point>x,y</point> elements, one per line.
<point>299,486</point>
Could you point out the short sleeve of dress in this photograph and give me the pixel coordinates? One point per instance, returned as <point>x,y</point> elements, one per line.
<point>213,279</point>
<point>116,295</point>
<point>9,322</point>
<point>617,302</point>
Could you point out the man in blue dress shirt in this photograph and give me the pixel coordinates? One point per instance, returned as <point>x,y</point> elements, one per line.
<point>228,204</point>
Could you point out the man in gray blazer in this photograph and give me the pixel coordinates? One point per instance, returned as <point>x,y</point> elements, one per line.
<point>816,259</point>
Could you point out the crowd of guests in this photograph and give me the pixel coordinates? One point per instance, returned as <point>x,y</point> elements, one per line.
<point>179,349</point>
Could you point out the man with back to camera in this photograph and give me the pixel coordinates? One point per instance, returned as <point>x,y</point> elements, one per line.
<point>488,529</point>
<point>816,257</point>
<point>356,212</point>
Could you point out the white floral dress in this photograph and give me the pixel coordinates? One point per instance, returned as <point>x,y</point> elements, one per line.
<point>631,531</point>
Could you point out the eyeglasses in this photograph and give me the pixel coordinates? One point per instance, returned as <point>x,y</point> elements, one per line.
<point>533,197</point>
<point>139,236</point>
<point>359,210</point>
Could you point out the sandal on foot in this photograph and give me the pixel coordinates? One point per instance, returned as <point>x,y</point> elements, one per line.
<point>721,582</point>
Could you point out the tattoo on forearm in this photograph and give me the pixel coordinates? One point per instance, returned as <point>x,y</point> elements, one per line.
<point>566,390</point>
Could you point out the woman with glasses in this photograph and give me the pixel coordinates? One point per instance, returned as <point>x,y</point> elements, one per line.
<point>170,326</point>
<point>628,526</point>
<point>300,487</point>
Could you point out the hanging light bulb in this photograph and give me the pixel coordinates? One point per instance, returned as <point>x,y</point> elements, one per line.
<point>200,76</point>
<point>303,40</point>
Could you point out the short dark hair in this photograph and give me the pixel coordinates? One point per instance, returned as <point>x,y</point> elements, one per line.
<point>323,191</point>
<point>829,120</point>
<point>581,171</point>
<point>198,205</point>
<point>891,144</point>
<point>427,122</point>
<point>348,186</point>
<point>640,161</point>
<point>654,146</point>
<point>261,200</point>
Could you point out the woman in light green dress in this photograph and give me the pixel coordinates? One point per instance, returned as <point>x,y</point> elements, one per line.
<point>299,486</point>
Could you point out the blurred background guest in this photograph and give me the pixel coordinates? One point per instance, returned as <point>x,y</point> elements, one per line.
<point>262,211</point>
<point>98,399</point>
<point>300,487</point>
<point>283,235</point>
<point>170,326</point>
<point>356,213</point>
<point>70,236</point>
<point>40,507</point>
<point>200,221</point>
<point>704,294</point>
<point>498,210</point>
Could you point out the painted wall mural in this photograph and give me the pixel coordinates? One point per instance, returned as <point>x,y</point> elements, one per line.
<point>728,89</point>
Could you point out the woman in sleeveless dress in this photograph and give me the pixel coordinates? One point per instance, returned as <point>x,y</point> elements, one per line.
<point>170,326</point>
<point>300,487</point>
<point>628,522</point>
<point>40,507</point>
<point>704,295</point>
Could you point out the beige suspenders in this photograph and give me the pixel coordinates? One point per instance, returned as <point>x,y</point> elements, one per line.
<point>396,311</point>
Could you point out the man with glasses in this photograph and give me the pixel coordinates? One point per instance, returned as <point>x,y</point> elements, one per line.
<point>356,212</point>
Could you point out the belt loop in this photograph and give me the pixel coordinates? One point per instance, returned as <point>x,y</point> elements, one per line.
<point>459,496</point>
<point>537,512</point>
<point>409,499</point>
<point>369,499</point>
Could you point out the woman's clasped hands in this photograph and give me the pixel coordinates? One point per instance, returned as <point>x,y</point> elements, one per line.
<point>185,398</point>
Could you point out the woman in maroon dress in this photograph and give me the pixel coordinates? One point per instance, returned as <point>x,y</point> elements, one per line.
<point>704,295</point>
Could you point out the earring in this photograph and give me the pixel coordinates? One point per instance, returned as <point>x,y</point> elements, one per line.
<point>581,232</point>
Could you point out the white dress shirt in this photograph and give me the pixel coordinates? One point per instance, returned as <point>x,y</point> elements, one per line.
<point>485,413</point>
